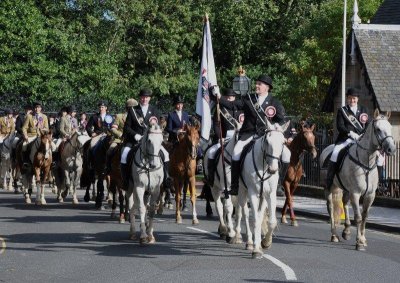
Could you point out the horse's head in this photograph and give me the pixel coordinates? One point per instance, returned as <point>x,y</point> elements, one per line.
<point>383,133</point>
<point>192,139</point>
<point>273,145</point>
<point>45,143</point>
<point>307,139</point>
<point>151,145</point>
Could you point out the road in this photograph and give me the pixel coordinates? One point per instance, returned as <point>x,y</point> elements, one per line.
<point>63,243</point>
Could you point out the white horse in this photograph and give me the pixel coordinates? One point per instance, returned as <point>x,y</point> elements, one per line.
<point>358,176</point>
<point>224,206</point>
<point>147,176</point>
<point>5,161</point>
<point>260,176</point>
<point>70,165</point>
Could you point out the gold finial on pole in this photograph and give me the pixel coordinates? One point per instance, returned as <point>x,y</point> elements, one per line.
<point>241,71</point>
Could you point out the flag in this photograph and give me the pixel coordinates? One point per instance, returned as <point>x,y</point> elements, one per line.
<point>207,78</point>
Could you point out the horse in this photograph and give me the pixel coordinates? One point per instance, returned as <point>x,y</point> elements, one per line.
<point>5,161</point>
<point>302,142</point>
<point>94,166</point>
<point>357,177</point>
<point>42,164</point>
<point>147,176</point>
<point>183,168</point>
<point>69,167</point>
<point>224,206</point>
<point>116,185</point>
<point>260,176</point>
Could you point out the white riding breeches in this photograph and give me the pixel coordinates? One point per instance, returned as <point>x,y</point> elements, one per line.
<point>213,150</point>
<point>127,149</point>
<point>285,154</point>
<point>339,147</point>
<point>57,143</point>
<point>237,151</point>
<point>15,142</point>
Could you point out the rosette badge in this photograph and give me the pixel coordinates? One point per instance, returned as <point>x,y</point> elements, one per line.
<point>270,111</point>
<point>364,118</point>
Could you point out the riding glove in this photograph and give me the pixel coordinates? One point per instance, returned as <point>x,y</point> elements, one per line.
<point>354,135</point>
<point>138,137</point>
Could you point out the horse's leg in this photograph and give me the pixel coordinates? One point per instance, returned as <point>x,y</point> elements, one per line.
<point>178,190</point>
<point>355,202</point>
<point>76,180</point>
<point>222,229</point>
<point>100,192</point>
<point>112,188</point>
<point>110,199</point>
<point>228,208</point>
<point>131,204</point>
<point>367,202</point>
<point>293,220</point>
<point>271,202</point>
<point>347,223</point>
<point>152,210</point>
<point>243,209</point>
<point>142,214</point>
<point>285,206</point>
<point>121,197</point>
<point>329,199</point>
<point>256,211</point>
<point>193,196</point>
<point>67,184</point>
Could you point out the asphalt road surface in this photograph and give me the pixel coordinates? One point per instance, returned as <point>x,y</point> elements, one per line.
<point>63,243</point>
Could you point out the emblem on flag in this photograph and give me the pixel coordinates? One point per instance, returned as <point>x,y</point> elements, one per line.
<point>364,118</point>
<point>270,111</point>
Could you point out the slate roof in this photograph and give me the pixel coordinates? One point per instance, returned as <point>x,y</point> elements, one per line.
<point>388,13</point>
<point>380,51</point>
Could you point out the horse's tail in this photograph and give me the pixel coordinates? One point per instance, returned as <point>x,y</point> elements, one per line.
<point>337,195</point>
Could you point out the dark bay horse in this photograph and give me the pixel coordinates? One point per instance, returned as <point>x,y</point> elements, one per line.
<point>302,142</point>
<point>183,168</point>
<point>94,167</point>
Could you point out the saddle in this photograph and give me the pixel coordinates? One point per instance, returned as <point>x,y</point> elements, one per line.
<point>247,148</point>
<point>342,154</point>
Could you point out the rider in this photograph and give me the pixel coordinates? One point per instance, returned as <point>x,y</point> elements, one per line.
<point>256,107</point>
<point>138,119</point>
<point>228,118</point>
<point>176,120</point>
<point>351,121</point>
<point>7,125</point>
<point>97,126</point>
<point>34,122</point>
<point>117,130</point>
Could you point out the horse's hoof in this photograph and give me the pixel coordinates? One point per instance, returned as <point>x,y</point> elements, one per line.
<point>121,220</point>
<point>266,243</point>
<point>64,194</point>
<point>75,201</point>
<point>179,220</point>
<point>249,247</point>
<point>257,254</point>
<point>195,222</point>
<point>151,239</point>
<point>43,201</point>
<point>346,236</point>
<point>334,239</point>
<point>360,247</point>
<point>170,206</point>
<point>38,202</point>
<point>113,215</point>
<point>132,237</point>
<point>109,201</point>
<point>28,200</point>
<point>283,220</point>
<point>143,241</point>
<point>60,200</point>
<point>16,191</point>
<point>230,240</point>
<point>101,207</point>
<point>294,223</point>
<point>86,198</point>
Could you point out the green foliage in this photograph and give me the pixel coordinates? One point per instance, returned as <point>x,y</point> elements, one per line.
<point>78,51</point>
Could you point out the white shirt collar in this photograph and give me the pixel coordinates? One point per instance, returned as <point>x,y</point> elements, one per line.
<point>144,109</point>
<point>261,99</point>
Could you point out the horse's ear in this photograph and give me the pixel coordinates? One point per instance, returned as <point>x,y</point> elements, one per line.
<point>388,113</point>
<point>376,113</point>
<point>285,126</point>
<point>313,127</point>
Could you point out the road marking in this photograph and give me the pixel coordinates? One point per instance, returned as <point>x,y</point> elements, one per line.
<point>289,273</point>
<point>203,231</point>
<point>3,245</point>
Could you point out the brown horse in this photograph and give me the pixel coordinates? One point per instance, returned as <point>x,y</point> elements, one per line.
<point>183,168</point>
<point>116,185</point>
<point>42,164</point>
<point>302,142</point>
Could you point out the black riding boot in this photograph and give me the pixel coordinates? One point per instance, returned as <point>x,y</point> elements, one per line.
<point>210,172</point>
<point>125,176</point>
<point>282,174</point>
<point>235,174</point>
<point>167,180</point>
<point>330,174</point>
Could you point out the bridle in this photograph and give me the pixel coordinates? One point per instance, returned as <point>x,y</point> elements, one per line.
<point>380,139</point>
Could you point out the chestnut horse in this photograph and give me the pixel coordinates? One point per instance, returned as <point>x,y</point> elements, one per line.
<point>183,168</point>
<point>302,142</point>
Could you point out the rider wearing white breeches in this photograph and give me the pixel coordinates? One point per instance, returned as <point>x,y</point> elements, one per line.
<point>351,121</point>
<point>257,107</point>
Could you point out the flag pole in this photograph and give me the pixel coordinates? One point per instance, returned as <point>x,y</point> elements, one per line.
<point>344,54</point>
